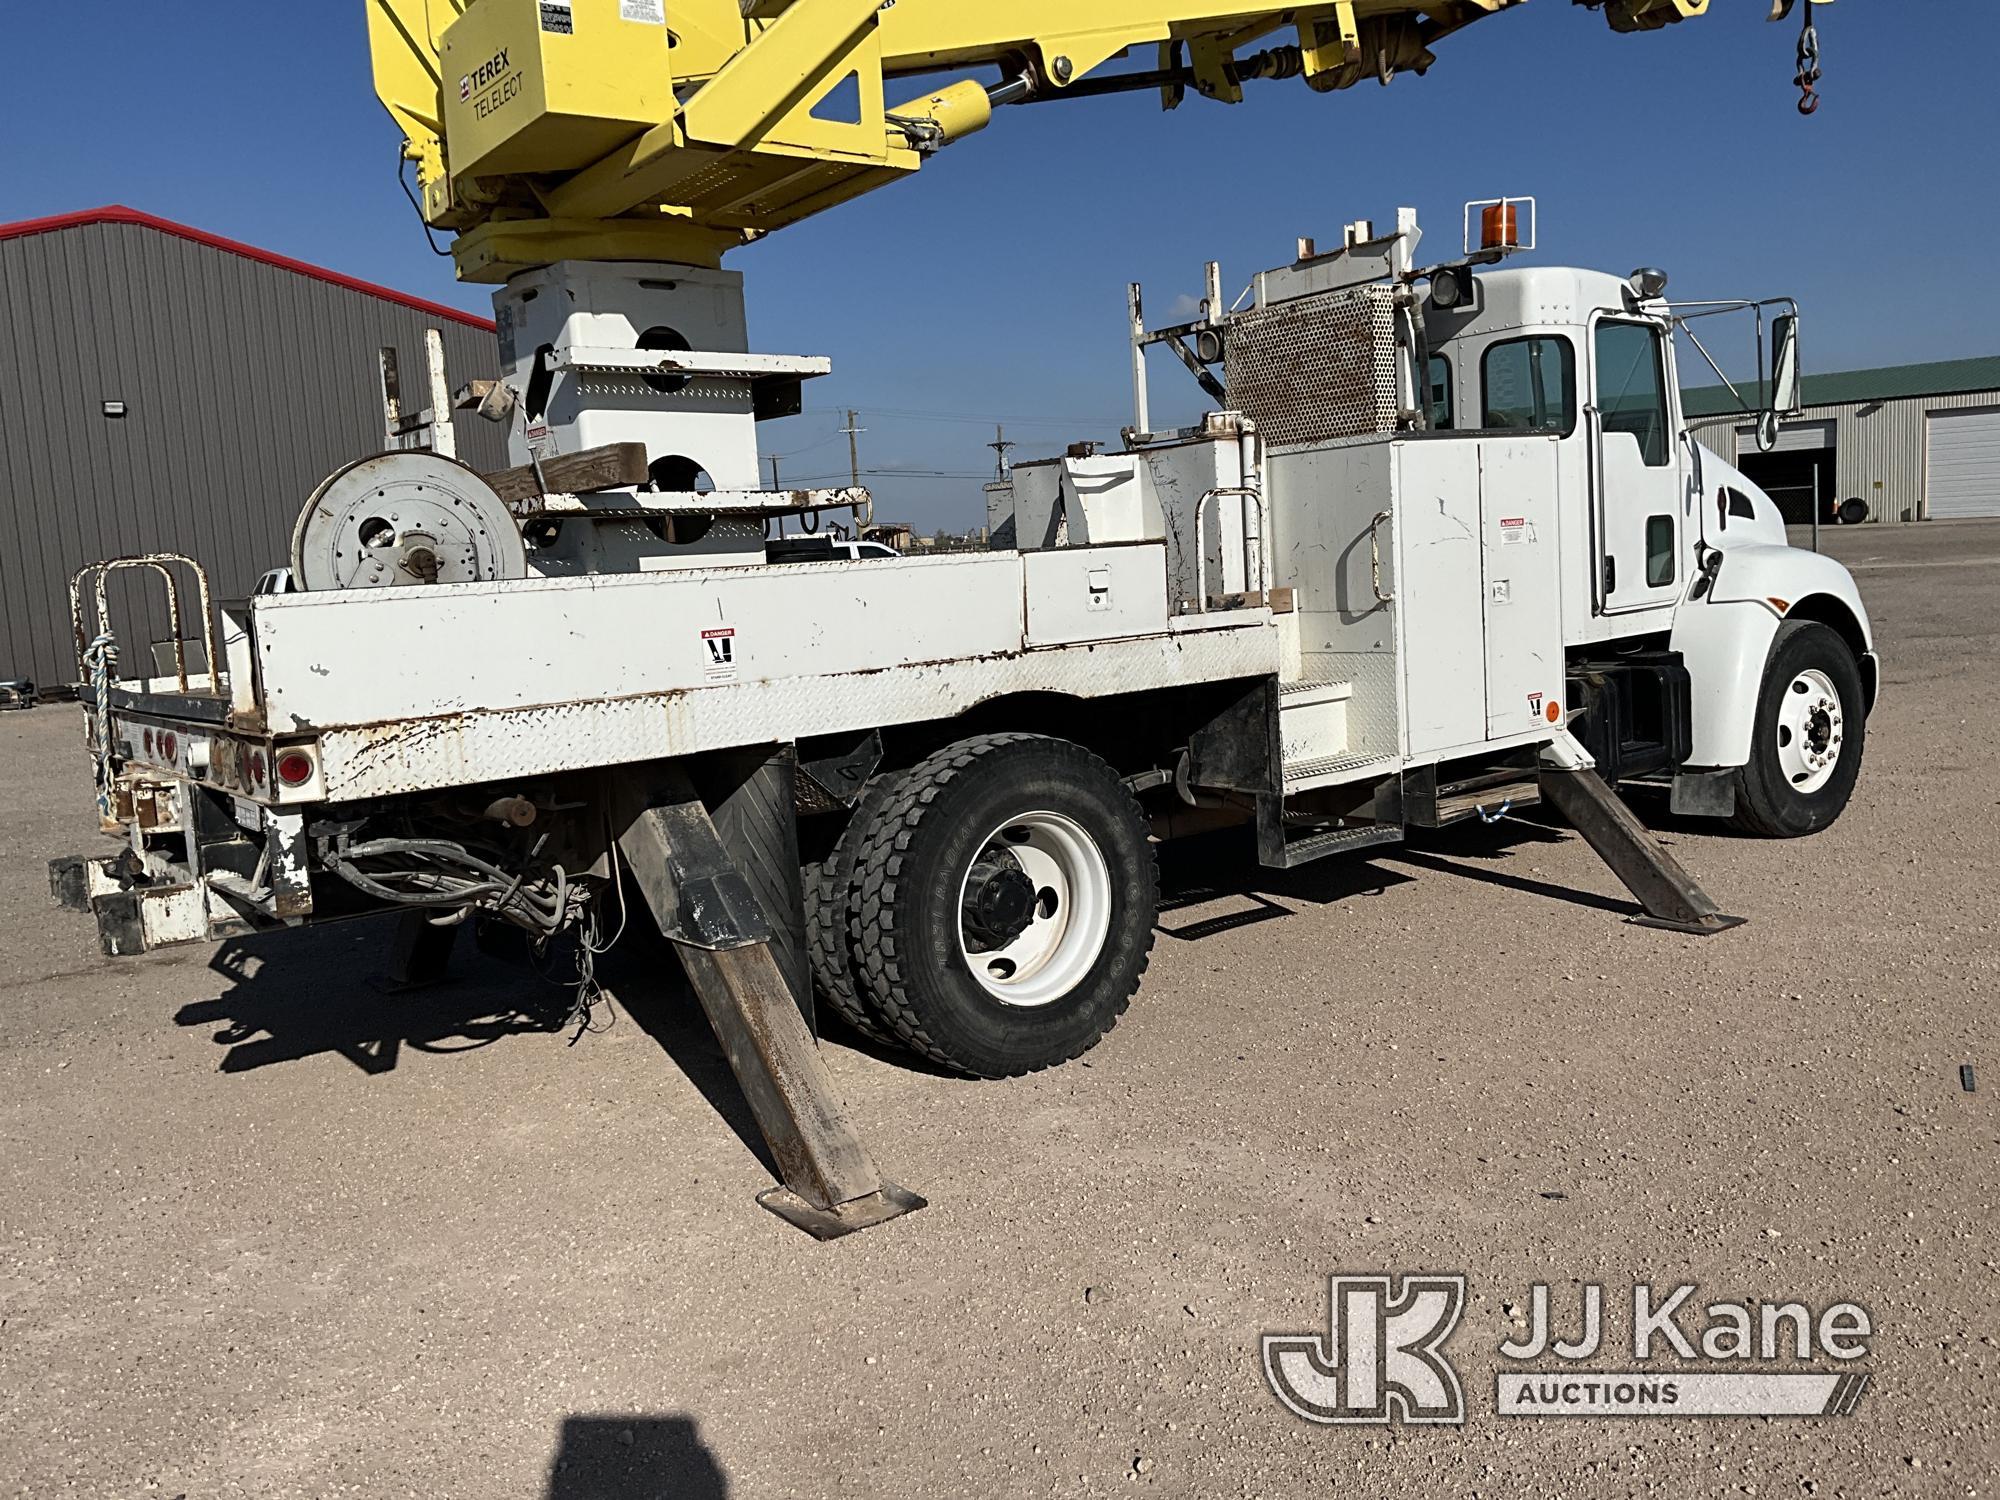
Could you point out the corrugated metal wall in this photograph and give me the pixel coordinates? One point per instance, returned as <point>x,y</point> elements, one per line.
<point>244,385</point>
<point>1879,448</point>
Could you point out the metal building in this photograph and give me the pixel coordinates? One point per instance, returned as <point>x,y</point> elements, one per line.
<point>1911,442</point>
<point>169,390</point>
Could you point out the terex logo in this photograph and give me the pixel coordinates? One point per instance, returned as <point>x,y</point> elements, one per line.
<point>487,72</point>
<point>1380,1360</point>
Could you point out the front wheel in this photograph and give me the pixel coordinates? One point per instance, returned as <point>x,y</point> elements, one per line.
<point>1805,750</point>
<point>1003,904</point>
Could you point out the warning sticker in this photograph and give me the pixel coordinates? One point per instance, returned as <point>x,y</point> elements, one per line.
<point>558,18</point>
<point>646,12</point>
<point>1514,530</point>
<point>720,665</point>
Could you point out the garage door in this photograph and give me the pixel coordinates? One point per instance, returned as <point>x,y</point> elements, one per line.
<point>1793,437</point>
<point>1964,463</point>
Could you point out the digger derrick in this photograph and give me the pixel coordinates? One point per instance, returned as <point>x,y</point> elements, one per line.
<point>628,130</point>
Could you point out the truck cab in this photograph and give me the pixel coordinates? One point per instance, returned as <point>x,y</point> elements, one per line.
<point>1666,547</point>
<point>1486,428</point>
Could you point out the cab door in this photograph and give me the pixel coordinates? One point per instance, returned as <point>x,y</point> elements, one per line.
<point>1636,492</point>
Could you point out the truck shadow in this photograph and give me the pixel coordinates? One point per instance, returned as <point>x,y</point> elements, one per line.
<point>296,994</point>
<point>300,993</point>
<point>1222,867</point>
<point>630,1457</point>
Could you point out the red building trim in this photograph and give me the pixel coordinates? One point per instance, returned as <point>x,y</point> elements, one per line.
<point>117,214</point>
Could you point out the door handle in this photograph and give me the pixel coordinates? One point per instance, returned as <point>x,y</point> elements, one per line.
<point>1610,576</point>
<point>1386,596</point>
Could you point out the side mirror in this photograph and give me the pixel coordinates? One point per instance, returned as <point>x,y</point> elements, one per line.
<point>1785,364</point>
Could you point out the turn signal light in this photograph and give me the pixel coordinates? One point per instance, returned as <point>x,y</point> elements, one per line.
<point>295,767</point>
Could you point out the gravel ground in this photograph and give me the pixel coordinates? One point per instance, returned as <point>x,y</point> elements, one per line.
<point>265,1231</point>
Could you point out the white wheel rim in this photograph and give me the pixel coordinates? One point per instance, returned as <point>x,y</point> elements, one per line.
<point>1071,920</point>
<point>1810,731</point>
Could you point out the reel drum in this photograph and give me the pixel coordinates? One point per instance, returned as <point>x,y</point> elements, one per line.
<point>405,518</point>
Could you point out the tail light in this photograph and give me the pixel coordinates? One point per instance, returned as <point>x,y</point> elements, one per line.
<point>294,767</point>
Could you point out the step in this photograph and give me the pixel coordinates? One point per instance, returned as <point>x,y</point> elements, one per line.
<point>1331,770</point>
<point>1312,723</point>
<point>1311,846</point>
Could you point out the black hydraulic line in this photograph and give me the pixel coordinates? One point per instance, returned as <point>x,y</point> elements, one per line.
<point>1275,62</point>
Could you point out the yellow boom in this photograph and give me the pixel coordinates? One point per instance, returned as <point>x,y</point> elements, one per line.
<point>675,129</point>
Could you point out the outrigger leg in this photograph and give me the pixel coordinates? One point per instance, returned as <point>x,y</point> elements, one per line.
<point>1671,897</point>
<point>726,941</point>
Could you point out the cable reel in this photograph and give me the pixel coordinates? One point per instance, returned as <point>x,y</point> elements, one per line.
<point>405,518</point>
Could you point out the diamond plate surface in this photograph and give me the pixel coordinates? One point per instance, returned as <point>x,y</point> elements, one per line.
<point>455,749</point>
<point>1316,368</point>
<point>1373,722</point>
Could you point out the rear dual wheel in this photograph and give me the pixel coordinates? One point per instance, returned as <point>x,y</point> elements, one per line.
<point>999,900</point>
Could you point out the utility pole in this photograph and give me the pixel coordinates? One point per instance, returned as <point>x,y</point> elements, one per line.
<point>853,450</point>
<point>1000,445</point>
<point>774,469</point>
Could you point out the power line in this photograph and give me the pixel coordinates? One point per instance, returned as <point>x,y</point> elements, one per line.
<point>860,474</point>
<point>909,414</point>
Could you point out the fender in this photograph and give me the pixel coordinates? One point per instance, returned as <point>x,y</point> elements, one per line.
<point>1726,637</point>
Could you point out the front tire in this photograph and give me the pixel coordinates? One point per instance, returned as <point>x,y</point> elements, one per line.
<point>1805,750</point>
<point>1003,905</point>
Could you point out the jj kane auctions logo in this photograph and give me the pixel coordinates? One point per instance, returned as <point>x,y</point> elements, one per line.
<point>1382,1358</point>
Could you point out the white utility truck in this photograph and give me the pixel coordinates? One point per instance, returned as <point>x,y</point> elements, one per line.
<point>1443,546</point>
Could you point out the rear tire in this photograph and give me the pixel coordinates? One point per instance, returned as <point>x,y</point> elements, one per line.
<point>1805,748</point>
<point>828,893</point>
<point>1004,902</point>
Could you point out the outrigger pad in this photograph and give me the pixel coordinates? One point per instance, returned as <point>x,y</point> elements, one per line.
<point>1669,896</point>
<point>69,881</point>
<point>865,1212</point>
<point>1707,926</point>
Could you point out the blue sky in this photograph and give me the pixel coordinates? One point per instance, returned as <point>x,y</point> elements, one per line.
<point>991,286</point>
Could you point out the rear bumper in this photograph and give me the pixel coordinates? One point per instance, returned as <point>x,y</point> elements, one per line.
<point>134,916</point>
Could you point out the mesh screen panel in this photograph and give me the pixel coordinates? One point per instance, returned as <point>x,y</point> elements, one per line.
<point>1316,368</point>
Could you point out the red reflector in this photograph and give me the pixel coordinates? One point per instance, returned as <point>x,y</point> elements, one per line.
<point>256,767</point>
<point>170,745</point>
<point>149,742</point>
<point>295,767</point>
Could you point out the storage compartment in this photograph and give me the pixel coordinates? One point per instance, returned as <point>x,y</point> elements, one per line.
<point>1634,715</point>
